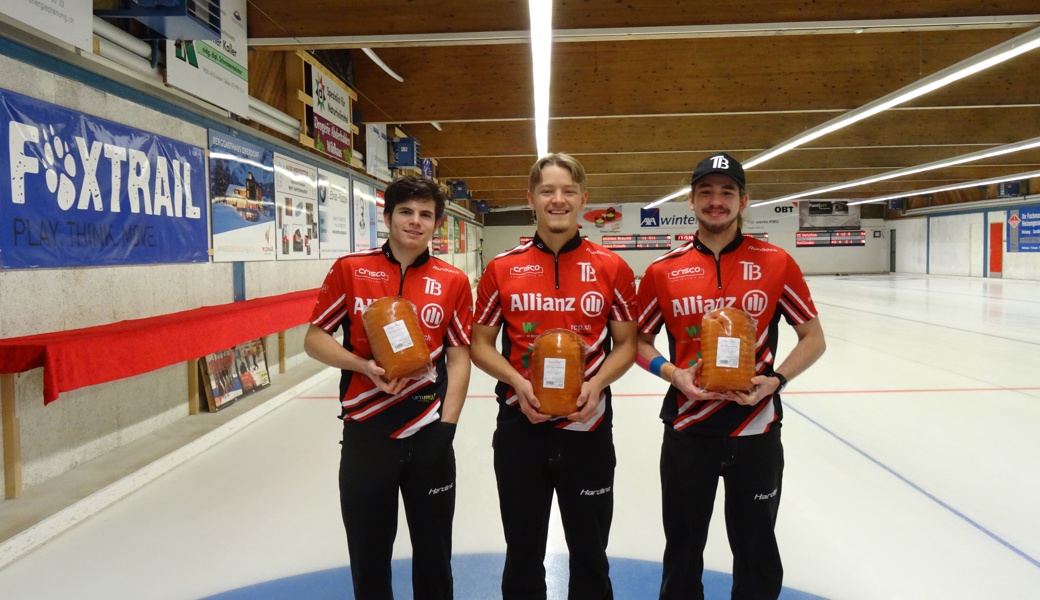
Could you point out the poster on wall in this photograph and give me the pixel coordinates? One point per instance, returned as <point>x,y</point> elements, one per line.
<point>382,231</point>
<point>241,190</point>
<point>439,245</point>
<point>78,191</point>
<point>603,217</point>
<point>215,70</point>
<point>1023,229</point>
<point>333,214</point>
<point>67,20</point>
<point>251,360</point>
<point>376,143</point>
<point>363,216</point>
<point>296,207</point>
<point>331,122</point>
<point>826,214</point>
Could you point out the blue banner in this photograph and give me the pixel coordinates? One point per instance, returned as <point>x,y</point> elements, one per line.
<point>1023,229</point>
<point>88,192</point>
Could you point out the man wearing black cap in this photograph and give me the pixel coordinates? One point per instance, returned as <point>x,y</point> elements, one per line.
<point>734,434</point>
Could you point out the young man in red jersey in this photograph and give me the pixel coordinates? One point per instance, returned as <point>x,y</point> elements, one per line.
<point>733,435</point>
<point>558,280</point>
<point>397,434</point>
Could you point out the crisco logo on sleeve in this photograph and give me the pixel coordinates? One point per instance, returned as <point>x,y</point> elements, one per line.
<point>526,270</point>
<point>364,273</point>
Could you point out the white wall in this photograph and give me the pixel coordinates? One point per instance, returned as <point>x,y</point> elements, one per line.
<point>872,258</point>
<point>957,245</point>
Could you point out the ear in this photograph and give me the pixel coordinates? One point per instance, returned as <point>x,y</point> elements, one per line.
<point>386,219</point>
<point>584,198</point>
<point>743,202</point>
<point>689,199</point>
<point>530,200</point>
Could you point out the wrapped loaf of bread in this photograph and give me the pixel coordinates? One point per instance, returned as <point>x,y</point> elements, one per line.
<point>557,371</point>
<point>397,341</point>
<point>728,350</point>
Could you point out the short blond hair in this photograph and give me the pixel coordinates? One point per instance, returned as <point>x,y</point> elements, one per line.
<point>558,159</point>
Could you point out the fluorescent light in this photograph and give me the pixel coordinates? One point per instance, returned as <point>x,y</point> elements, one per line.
<point>681,192</point>
<point>955,186</point>
<point>983,60</point>
<point>949,162</point>
<point>541,59</point>
<point>382,65</point>
<point>436,125</point>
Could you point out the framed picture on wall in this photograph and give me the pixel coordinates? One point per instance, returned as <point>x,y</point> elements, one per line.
<point>220,376</point>
<point>234,373</point>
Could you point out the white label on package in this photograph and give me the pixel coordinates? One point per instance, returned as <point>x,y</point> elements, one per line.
<point>554,373</point>
<point>397,335</point>
<point>728,355</point>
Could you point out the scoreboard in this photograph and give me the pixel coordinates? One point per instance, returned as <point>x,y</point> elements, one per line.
<point>833,237</point>
<point>689,237</point>
<point>637,242</point>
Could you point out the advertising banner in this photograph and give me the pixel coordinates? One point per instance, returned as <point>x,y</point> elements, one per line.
<point>376,160</point>
<point>1023,229</point>
<point>296,204</point>
<point>331,116</point>
<point>241,177</point>
<point>364,217</point>
<point>78,191</point>
<point>333,214</point>
<point>215,70</point>
<point>604,217</point>
<point>66,20</point>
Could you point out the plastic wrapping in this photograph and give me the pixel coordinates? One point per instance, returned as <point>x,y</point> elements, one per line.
<point>557,371</point>
<point>398,343</point>
<point>728,350</point>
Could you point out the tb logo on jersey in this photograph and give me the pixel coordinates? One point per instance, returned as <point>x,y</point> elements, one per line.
<point>752,271</point>
<point>432,315</point>
<point>433,287</point>
<point>588,274</point>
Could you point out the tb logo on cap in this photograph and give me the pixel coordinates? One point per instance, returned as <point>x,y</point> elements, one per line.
<point>719,162</point>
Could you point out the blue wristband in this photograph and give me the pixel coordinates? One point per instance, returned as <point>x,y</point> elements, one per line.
<point>656,364</point>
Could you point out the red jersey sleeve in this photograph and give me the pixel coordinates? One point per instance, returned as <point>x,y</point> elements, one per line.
<point>623,307</point>
<point>488,310</point>
<point>795,301</point>
<point>332,306</point>
<point>650,318</point>
<point>462,317</point>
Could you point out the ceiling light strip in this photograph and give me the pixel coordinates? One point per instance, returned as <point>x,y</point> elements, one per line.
<point>983,60</point>
<point>948,188</point>
<point>939,164</point>
<point>541,59</point>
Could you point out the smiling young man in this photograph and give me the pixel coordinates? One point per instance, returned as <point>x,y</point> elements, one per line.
<point>558,280</point>
<point>397,434</point>
<point>732,435</point>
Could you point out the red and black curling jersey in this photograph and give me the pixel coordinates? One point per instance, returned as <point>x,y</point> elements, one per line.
<point>444,304</point>
<point>532,290</point>
<point>681,286</point>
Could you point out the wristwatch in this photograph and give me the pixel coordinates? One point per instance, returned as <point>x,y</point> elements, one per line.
<point>783,382</point>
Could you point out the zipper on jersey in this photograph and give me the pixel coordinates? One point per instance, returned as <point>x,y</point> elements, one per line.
<point>718,271</point>
<point>556,267</point>
<point>400,289</point>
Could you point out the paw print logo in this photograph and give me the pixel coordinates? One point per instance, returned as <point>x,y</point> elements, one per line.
<point>61,168</point>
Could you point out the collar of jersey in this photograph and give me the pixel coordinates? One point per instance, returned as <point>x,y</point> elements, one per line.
<point>419,260</point>
<point>730,247</point>
<point>572,244</point>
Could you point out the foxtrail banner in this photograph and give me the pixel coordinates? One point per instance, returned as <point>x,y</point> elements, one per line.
<point>78,191</point>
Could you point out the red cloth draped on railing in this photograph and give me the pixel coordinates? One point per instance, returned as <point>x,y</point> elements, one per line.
<point>81,357</point>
